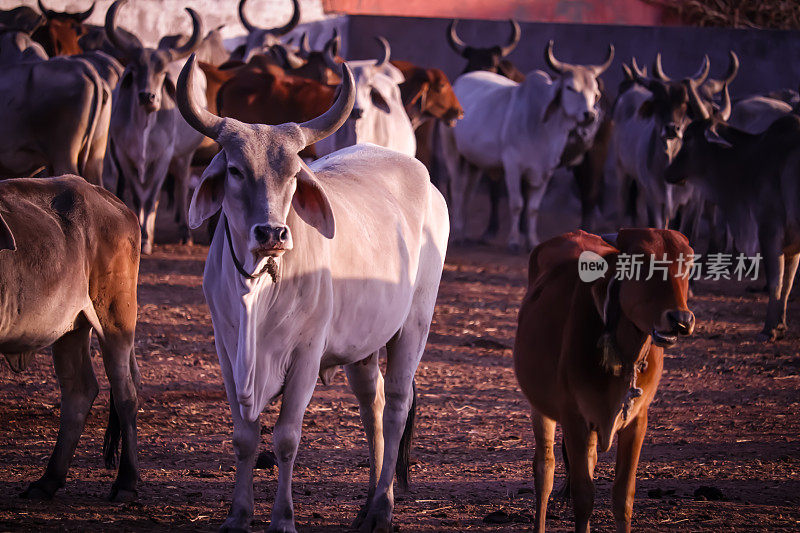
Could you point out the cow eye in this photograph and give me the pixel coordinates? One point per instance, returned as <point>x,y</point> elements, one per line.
<point>235,172</point>
<point>571,88</point>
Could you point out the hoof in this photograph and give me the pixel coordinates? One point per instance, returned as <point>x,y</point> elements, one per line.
<point>236,523</point>
<point>360,517</point>
<point>39,490</point>
<point>514,249</point>
<point>285,528</point>
<point>122,495</point>
<point>773,334</point>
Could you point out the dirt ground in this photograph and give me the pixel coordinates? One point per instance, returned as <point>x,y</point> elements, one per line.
<point>727,416</point>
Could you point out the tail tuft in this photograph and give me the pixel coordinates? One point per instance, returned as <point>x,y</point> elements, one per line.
<point>404,453</point>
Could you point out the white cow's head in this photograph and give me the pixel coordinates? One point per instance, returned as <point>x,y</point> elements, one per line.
<point>578,88</point>
<point>258,175</point>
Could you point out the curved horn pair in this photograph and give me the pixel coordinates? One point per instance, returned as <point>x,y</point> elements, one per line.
<point>714,86</point>
<point>560,67</point>
<point>698,77</point>
<point>80,17</point>
<point>460,46</point>
<point>281,30</point>
<point>177,52</point>
<point>313,130</point>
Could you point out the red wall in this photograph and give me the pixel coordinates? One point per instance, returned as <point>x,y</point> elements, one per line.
<point>631,12</point>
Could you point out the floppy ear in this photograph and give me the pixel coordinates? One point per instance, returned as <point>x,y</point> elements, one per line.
<point>207,198</point>
<point>311,203</point>
<point>713,137</point>
<point>553,106</point>
<point>7,241</point>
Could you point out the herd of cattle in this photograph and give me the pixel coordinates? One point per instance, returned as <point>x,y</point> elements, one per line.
<point>309,163</point>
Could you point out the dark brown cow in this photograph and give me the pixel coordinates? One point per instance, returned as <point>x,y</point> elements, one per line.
<point>589,355</point>
<point>492,58</point>
<point>69,254</point>
<point>61,32</point>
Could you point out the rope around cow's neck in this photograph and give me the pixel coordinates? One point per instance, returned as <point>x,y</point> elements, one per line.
<point>270,265</point>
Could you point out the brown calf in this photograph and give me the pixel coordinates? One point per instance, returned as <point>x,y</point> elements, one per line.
<point>589,355</point>
<point>69,257</point>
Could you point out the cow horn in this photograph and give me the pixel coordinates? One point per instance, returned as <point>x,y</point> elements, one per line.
<point>387,51</point>
<point>46,12</point>
<point>456,43</point>
<point>599,69</point>
<point>305,47</point>
<point>700,76</point>
<point>551,60</point>
<point>516,33</point>
<point>637,72</point>
<point>330,51</point>
<point>714,86</point>
<point>627,73</point>
<point>80,17</point>
<point>179,52</point>
<point>725,110</point>
<point>658,71</point>
<point>695,103</point>
<point>324,125</point>
<point>119,42</point>
<point>282,30</point>
<point>287,58</point>
<point>196,115</point>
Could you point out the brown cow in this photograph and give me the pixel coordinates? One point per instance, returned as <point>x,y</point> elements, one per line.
<point>61,32</point>
<point>263,93</point>
<point>69,254</point>
<point>589,355</point>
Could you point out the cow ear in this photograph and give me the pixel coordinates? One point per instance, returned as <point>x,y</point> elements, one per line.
<point>553,106</point>
<point>646,109</point>
<point>207,198</point>
<point>379,101</point>
<point>311,203</point>
<point>715,138</point>
<point>7,241</point>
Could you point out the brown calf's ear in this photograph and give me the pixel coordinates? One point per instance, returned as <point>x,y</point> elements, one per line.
<point>311,203</point>
<point>207,198</point>
<point>7,241</point>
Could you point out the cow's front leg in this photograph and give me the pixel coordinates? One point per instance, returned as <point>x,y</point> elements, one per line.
<point>79,388</point>
<point>245,446</point>
<point>515,204</point>
<point>298,389</point>
<point>629,446</point>
<point>773,270</point>
<point>366,382</point>
<point>534,194</point>
<point>581,444</point>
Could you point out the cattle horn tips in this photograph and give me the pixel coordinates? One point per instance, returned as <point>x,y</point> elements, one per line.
<point>387,51</point>
<point>551,60</point>
<point>658,70</point>
<point>513,41</point>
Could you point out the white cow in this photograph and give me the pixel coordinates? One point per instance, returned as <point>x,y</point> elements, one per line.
<point>149,138</point>
<point>378,115</point>
<point>521,128</point>
<point>315,267</point>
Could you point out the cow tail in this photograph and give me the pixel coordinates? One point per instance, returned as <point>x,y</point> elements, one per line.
<point>404,453</point>
<point>111,439</point>
<point>99,98</point>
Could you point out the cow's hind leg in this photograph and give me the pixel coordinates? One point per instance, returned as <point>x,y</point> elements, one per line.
<point>73,364</point>
<point>774,262</point>
<point>629,446</point>
<point>544,464</point>
<point>366,382</point>
<point>533,201</point>
<point>181,169</point>
<point>790,263</point>
<point>404,352</point>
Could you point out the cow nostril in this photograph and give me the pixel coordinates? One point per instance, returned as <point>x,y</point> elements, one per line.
<point>262,234</point>
<point>146,98</point>
<point>282,234</point>
<point>682,322</point>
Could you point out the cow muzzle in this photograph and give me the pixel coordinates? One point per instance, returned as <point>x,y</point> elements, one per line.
<point>148,101</point>
<point>680,322</point>
<point>588,118</point>
<point>671,131</point>
<point>272,240</point>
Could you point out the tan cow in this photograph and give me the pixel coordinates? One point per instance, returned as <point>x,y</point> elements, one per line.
<point>589,355</point>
